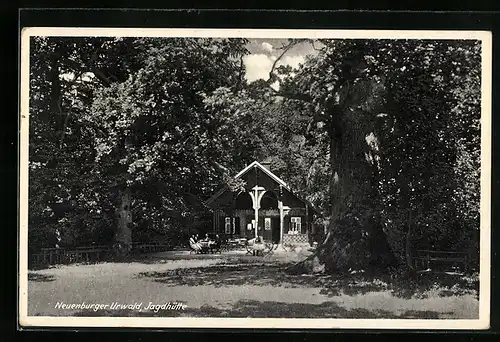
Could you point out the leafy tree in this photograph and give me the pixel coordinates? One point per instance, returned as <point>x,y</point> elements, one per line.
<point>157,131</point>
<point>374,122</point>
<point>390,116</point>
<point>63,198</point>
<point>128,135</point>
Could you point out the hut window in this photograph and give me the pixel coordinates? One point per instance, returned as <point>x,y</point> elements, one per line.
<point>295,225</point>
<point>267,223</point>
<point>228,225</point>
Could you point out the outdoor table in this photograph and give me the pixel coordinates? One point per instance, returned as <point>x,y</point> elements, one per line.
<point>205,246</point>
<point>258,247</point>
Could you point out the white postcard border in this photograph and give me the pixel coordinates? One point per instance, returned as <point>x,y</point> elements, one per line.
<point>282,323</point>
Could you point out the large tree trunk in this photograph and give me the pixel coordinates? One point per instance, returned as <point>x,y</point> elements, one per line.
<point>408,249</point>
<point>55,96</point>
<point>355,240</point>
<point>123,236</point>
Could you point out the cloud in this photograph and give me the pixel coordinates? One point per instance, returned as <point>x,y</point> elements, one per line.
<point>267,47</point>
<point>257,66</point>
<point>292,61</point>
<point>275,85</point>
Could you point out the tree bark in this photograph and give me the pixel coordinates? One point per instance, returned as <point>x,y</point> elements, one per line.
<point>123,235</point>
<point>408,252</point>
<point>335,135</point>
<point>55,91</point>
<point>355,239</point>
<point>232,220</point>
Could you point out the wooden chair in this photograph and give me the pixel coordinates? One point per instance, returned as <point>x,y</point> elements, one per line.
<point>249,246</point>
<point>269,248</point>
<point>216,247</point>
<point>255,248</point>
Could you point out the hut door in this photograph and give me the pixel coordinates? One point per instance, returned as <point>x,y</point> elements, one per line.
<point>275,229</point>
<point>237,228</point>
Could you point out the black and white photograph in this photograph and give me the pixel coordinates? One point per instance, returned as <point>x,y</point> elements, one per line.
<point>255,178</point>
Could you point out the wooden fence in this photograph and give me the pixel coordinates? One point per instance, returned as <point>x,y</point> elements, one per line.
<point>149,247</point>
<point>55,256</point>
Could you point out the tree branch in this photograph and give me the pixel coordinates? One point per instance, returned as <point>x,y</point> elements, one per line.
<point>313,46</point>
<point>291,96</point>
<point>285,48</point>
<point>101,77</point>
<point>66,119</point>
<point>97,72</point>
<point>241,75</point>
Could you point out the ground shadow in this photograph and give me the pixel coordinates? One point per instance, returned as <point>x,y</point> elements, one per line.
<point>260,274</point>
<point>40,277</point>
<point>267,309</point>
<point>223,275</point>
<point>250,272</point>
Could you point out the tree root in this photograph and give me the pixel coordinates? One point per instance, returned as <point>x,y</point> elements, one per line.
<point>310,265</point>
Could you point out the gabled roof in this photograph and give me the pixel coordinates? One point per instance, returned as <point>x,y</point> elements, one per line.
<point>270,174</point>
<point>216,195</point>
<point>266,171</point>
<point>241,173</point>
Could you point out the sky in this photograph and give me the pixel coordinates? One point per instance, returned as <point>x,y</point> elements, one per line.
<point>263,53</point>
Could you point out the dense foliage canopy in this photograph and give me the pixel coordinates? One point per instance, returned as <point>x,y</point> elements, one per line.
<point>382,135</point>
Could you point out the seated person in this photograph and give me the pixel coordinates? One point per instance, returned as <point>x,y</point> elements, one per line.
<point>258,245</point>
<point>193,244</point>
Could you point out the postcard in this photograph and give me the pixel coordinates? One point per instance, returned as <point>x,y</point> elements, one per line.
<point>251,178</point>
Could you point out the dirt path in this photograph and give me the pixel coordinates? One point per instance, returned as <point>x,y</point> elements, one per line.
<point>218,287</point>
